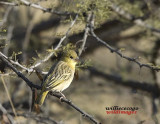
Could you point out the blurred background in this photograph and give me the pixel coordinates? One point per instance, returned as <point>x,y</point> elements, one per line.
<point>130,26</point>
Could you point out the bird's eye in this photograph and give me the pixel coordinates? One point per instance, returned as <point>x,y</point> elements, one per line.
<point>71,57</point>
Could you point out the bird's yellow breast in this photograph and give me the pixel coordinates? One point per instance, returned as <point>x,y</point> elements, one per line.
<point>70,62</point>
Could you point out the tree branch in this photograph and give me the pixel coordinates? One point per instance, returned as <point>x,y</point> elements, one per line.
<point>36,6</point>
<point>28,82</point>
<point>46,58</point>
<point>67,33</point>
<point>8,3</point>
<point>132,18</point>
<point>68,102</point>
<point>4,111</point>
<point>113,50</point>
<point>86,32</point>
<point>5,16</point>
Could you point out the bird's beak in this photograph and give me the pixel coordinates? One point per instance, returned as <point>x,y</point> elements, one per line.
<point>77,59</point>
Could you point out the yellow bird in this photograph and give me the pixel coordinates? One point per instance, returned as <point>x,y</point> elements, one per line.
<point>59,76</point>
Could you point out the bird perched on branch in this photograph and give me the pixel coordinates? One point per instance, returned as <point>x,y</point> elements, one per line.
<point>59,76</point>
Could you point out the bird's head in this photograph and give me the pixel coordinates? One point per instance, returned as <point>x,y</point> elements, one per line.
<point>71,57</point>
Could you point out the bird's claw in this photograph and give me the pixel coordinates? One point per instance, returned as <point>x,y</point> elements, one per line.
<point>61,98</point>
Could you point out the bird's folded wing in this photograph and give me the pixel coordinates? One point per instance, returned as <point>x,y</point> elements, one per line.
<point>61,74</point>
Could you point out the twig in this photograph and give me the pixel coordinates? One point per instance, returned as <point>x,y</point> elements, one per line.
<point>86,32</point>
<point>5,16</point>
<point>36,6</point>
<point>67,33</point>
<point>29,70</point>
<point>8,40</point>
<point>84,114</point>
<point>154,110</point>
<point>113,50</point>
<point>6,89</point>
<point>16,63</point>
<point>8,3</point>
<point>6,113</point>
<point>132,18</point>
<point>154,57</point>
<point>46,58</point>
<point>28,82</point>
<point>58,46</point>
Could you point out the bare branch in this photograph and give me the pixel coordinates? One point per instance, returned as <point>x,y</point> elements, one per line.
<point>113,50</point>
<point>4,111</point>
<point>6,89</point>
<point>46,58</point>
<point>67,33</point>
<point>16,63</point>
<point>36,6</point>
<point>84,114</point>
<point>5,16</point>
<point>28,82</point>
<point>8,3</point>
<point>133,19</point>
<point>86,32</point>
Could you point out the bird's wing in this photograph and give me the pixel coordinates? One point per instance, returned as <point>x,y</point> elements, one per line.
<point>50,70</point>
<point>61,73</point>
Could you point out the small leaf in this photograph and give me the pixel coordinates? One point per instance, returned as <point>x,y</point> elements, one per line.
<point>122,49</point>
<point>151,64</point>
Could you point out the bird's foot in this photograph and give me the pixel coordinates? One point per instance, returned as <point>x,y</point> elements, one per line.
<point>62,97</point>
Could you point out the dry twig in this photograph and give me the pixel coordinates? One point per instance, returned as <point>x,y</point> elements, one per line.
<point>36,6</point>
<point>113,50</point>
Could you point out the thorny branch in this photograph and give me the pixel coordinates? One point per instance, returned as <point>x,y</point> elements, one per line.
<point>84,114</point>
<point>46,58</point>
<point>67,33</point>
<point>36,6</point>
<point>113,50</point>
<point>28,82</point>
<point>132,18</point>
<point>89,19</point>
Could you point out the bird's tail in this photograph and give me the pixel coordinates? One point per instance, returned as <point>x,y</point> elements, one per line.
<point>41,97</point>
